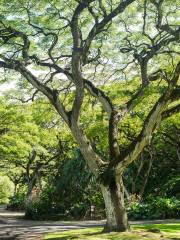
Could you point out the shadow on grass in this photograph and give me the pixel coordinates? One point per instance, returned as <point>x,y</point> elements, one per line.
<point>68,237</point>
<point>64,238</point>
<point>169,228</point>
<point>94,234</point>
<point>99,235</point>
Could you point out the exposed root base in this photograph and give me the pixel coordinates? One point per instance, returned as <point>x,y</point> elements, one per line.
<point>108,229</point>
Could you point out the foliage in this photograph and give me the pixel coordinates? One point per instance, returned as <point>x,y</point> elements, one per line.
<point>172,187</point>
<point>42,208</point>
<point>155,208</point>
<point>69,188</point>
<point>163,153</point>
<point>17,201</point>
<point>6,189</point>
<point>28,146</point>
<point>68,194</point>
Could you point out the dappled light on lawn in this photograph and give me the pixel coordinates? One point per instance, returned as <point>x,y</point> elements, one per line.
<point>140,232</point>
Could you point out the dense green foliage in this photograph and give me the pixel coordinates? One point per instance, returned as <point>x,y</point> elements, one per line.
<point>68,189</point>
<point>155,208</point>
<point>6,189</point>
<point>17,201</point>
<point>68,194</point>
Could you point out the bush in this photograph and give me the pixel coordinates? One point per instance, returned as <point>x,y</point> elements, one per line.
<point>36,211</point>
<point>155,208</point>
<point>138,211</point>
<point>70,194</point>
<point>172,187</point>
<point>17,202</point>
<point>6,189</point>
<point>43,208</point>
<point>51,205</point>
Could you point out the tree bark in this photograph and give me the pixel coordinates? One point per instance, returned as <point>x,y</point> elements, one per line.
<point>144,74</point>
<point>145,180</point>
<point>115,208</point>
<point>29,197</point>
<point>113,194</point>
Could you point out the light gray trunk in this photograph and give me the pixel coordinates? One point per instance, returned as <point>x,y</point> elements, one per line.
<point>113,195</point>
<point>115,208</point>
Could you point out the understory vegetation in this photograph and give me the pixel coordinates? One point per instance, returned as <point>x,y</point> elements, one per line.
<point>46,166</point>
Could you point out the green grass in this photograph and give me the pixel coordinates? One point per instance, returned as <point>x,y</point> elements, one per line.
<point>138,232</point>
<point>168,227</point>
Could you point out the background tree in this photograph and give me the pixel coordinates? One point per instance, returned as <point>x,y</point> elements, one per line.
<point>6,189</point>
<point>30,146</point>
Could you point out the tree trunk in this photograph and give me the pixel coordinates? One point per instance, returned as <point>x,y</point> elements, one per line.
<point>29,196</point>
<point>113,194</point>
<point>145,180</point>
<point>15,188</point>
<point>144,74</point>
<point>115,209</point>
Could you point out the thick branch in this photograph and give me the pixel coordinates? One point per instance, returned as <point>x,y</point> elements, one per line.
<point>98,27</point>
<point>171,111</point>
<point>100,95</point>
<point>77,60</point>
<point>112,114</point>
<point>6,33</point>
<point>93,160</point>
<point>153,120</point>
<point>51,94</point>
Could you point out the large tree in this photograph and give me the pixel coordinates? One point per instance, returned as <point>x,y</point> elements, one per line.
<point>74,47</point>
<point>28,145</point>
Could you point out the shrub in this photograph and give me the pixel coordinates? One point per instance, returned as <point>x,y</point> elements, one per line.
<point>36,211</point>
<point>155,208</point>
<point>6,189</point>
<point>43,208</point>
<point>172,187</point>
<point>17,202</point>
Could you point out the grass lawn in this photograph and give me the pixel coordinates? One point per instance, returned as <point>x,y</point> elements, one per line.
<point>138,232</point>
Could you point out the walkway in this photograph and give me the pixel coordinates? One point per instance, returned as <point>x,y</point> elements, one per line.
<point>14,227</point>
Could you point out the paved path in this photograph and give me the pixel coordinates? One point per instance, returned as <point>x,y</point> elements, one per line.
<point>13,227</point>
